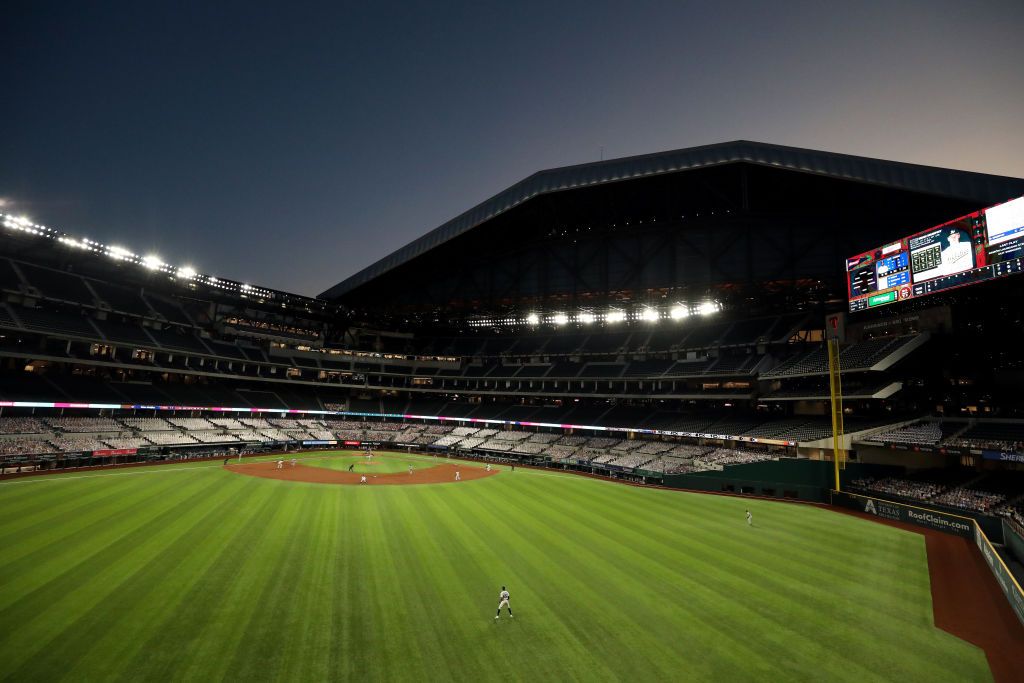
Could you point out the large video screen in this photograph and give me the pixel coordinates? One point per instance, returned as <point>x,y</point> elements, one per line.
<point>974,248</point>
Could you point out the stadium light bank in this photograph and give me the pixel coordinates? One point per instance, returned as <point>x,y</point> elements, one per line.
<point>648,314</point>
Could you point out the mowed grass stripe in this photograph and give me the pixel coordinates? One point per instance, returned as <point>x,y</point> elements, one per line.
<point>774,595</point>
<point>142,604</point>
<point>730,533</point>
<point>660,590</point>
<point>454,588</point>
<point>83,585</point>
<point>579,582</point>
<point>398,606</point>
<point>270,627</point>
<point>312,588</point>
<point>730,538</point>
<point>245,644</point>
<point>82,513</point>
<point>60,555</point>
<point>490,561</point>
<point>130,592</point>
<point>205,601</point>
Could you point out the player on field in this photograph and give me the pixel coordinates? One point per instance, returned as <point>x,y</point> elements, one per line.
<point>458,477</point>
<point>280,464</point>
<point>294,461</point>
<point>362,479</point>
<point>351,467</point>
<point>488,467</point>
<point>750,519</point>
<point>503,602</point>
<point>410,469</point>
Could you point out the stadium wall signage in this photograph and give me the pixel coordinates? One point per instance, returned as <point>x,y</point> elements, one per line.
<point>398,416</point>
<point>908,514</point>
<point>1004,456</point>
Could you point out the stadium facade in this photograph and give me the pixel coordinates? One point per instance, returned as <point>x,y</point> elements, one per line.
<point>676,298</point>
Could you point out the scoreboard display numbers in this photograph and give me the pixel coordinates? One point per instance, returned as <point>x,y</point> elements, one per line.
<point>974,248</point>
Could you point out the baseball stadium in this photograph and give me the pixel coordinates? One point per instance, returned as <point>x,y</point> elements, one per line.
<point>738,412</point>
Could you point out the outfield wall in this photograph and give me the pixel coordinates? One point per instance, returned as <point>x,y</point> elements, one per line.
<point>908,514</point>
<point>809,480</point>
<point>1014,540</point>
<point>1004,577</point>
<point>786,478</point>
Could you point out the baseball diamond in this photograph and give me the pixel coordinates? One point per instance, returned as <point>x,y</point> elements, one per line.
<point>113,575</point>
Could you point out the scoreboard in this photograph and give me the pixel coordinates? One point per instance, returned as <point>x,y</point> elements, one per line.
<point>974,248</point>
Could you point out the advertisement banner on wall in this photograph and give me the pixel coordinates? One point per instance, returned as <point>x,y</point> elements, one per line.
<point>1002,456</point>
<point>908,514</point>
<point>1004,578</point>
<point>111,452</point>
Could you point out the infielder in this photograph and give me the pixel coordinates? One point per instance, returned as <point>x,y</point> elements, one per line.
<point>503,602</point>
<point>280,464</point>
<point>458,477</point>
<point>294,461</point>
<point>362,479</point>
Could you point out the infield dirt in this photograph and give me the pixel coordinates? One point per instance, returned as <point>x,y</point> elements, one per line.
<point>438,474</point>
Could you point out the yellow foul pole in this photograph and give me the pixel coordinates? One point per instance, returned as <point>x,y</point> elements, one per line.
<point>836,395</point>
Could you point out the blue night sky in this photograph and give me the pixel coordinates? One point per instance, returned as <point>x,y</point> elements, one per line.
<point>292,144</point>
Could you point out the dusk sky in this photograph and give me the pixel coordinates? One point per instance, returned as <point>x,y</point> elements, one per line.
<point>292,144</point>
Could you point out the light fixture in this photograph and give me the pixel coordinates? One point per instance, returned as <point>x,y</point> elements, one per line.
<point>533,319</point>
<point>650,315</point>
<point>152,262</point>
<point>119,253</point>
<point>586,318</point>
<point>560,318</point>
<point>615,316</point>
<point>707,308</point>
<point>679,312</point>
<point>186,272</point>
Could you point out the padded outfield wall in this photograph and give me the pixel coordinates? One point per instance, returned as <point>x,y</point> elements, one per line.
<point>794,478</point>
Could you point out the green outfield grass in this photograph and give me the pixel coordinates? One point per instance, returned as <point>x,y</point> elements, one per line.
<point>192,572</point>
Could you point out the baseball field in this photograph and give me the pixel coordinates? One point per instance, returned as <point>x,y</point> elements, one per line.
<point>203,572</point>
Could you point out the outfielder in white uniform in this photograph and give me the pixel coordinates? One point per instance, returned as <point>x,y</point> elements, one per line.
<point>503,602</point>
<point>750,519</point>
